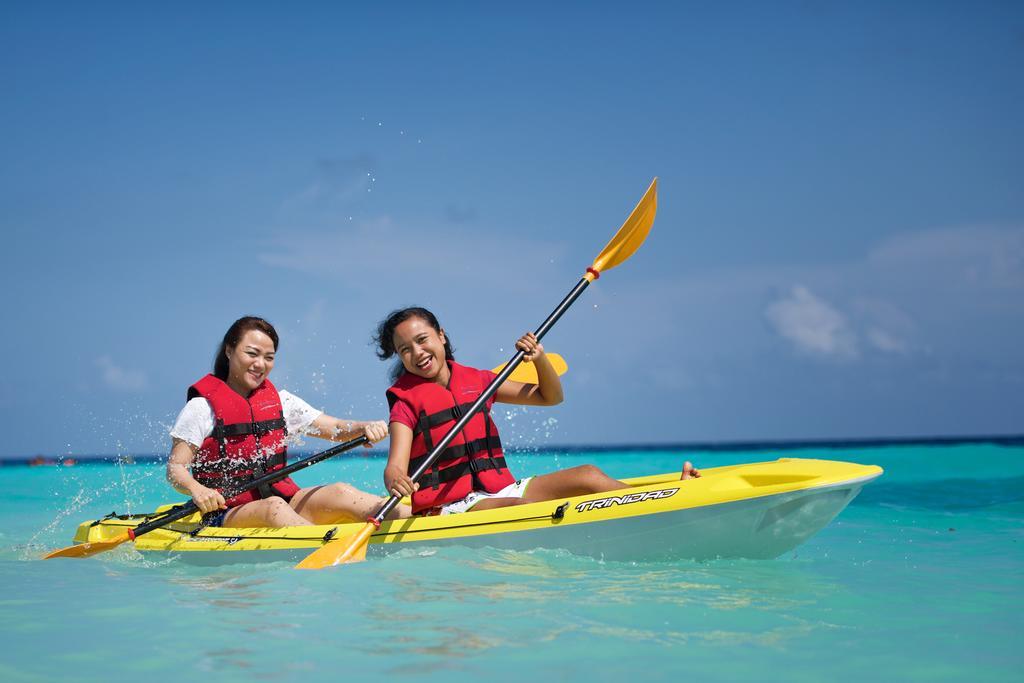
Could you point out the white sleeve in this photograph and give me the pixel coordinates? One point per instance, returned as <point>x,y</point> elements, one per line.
<point>194,423</point>
<point>298,415</point>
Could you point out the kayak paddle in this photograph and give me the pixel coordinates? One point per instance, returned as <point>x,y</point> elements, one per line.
<point>186,509</point>
<point>527,373</point>
<point>627,240</point>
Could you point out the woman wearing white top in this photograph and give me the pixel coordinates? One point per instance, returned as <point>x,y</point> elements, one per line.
<point>244,360</point>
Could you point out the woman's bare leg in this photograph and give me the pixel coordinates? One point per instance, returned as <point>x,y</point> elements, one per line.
<point>341,502</point>
<point>492,503</point>
<point>271,512</point>
<point>575,481</point>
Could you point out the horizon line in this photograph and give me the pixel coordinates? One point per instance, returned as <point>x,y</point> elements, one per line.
<point>714,446</point>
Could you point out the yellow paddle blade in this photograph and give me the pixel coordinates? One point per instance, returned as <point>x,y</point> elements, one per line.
<point>88,549</point>
<point>342,551</point>
<point>632,233</point>
<point>527,373</point>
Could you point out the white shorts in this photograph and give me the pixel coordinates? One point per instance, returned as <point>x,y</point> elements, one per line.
<point>516,489</point>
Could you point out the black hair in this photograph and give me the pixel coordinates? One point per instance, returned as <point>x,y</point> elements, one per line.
<point>234,335</point>
<point>385,336</point>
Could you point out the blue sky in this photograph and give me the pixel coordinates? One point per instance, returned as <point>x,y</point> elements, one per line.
<point>839,248</point>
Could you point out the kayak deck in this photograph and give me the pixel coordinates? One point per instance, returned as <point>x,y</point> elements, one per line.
<point>758,510</point>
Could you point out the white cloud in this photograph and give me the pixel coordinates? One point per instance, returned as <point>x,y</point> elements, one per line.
<point>119,379</point>
<point>975,257</point>
<point>337,182</point>
<point>889,329</point>
<point>941,294</point>
<point>380,254</point>
<point>812,325</point>
<point>883,341</point>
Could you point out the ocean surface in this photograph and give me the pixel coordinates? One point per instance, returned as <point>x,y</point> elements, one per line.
<point>921,578</point>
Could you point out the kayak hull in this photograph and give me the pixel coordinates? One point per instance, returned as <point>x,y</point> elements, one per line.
<point>757,511</point>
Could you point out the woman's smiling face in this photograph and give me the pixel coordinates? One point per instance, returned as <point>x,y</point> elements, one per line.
<point>421,349</point>
<point>250,361</point>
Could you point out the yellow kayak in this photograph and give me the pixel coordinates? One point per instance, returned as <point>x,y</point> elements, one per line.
<point>758,510</point>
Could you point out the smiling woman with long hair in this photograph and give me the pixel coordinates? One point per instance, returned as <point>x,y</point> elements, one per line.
<point>234,428</point>
<point>430,394</point>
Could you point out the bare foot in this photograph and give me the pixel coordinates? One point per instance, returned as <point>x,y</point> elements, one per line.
<point>689,471</point>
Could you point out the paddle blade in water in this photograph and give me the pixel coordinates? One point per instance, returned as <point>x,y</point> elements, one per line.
<point>342,551</point>
<point>632,233</point>
<point>89,549</point>
<point>527,373</point>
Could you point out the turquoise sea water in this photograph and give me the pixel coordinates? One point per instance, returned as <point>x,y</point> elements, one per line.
<point>921,578</point>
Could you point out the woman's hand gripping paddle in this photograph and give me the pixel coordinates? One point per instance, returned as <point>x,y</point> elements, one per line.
<point>626,241</point>
<point>186,509</point>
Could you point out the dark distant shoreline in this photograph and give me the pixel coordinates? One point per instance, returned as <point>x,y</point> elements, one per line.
<point>698,446</point>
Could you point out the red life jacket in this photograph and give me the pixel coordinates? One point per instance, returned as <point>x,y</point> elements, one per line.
<point>248,440</point>
<point>473,461</point>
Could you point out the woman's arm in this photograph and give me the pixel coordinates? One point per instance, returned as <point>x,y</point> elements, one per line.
<point>179,476</point>
<point>548,389</point>
<point>336,429</point>
<point>396,474</point>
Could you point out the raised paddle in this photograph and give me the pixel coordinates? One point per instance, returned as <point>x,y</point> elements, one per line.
<point>186,509</point>
<point>626,241</point>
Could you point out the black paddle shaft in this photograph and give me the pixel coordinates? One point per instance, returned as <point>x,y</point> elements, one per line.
<point>487,393</point>
<point>190,507</point>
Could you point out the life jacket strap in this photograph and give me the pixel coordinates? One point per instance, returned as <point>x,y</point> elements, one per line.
<point>488,425</point>
<point>486,443</point>
<point>214,474</point>
<point>426,422</point>
<point>275,461</point>
<point>437,477</point>
<point>259,429</point>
